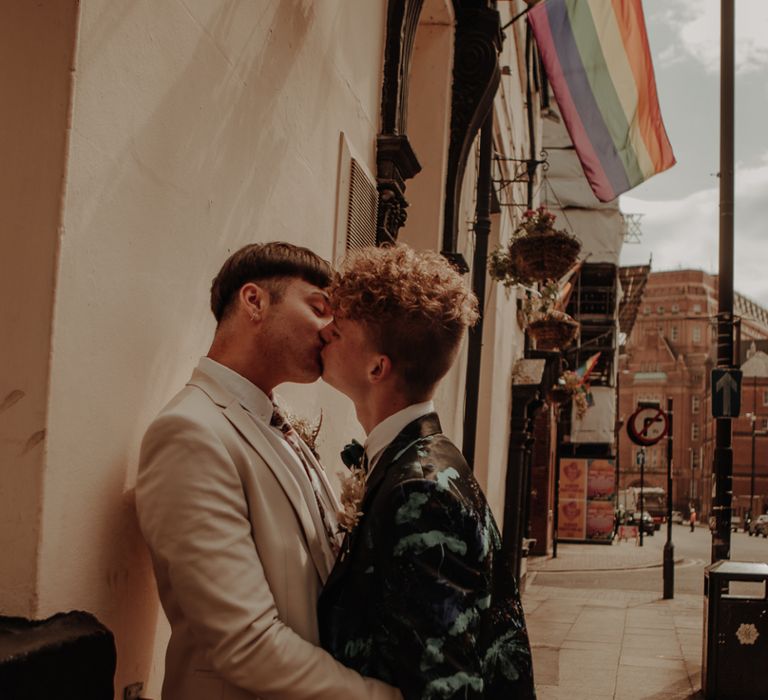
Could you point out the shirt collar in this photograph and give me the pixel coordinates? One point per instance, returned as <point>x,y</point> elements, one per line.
<point>251,398</point>
<point>386,431</point>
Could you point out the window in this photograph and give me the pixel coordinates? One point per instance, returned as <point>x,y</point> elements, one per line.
<point>697,308</point>
<point>694,458</point>
<point>660,309</point>
<point>673,334</point>
<point>646,309</point>
<point>675,308</point>
<point>694,431</point>
<point>695,404</point>
<point>696,333</point>
<point>765,398</point>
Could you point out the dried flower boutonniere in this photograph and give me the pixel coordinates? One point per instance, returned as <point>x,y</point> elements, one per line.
<point>352,493</point>
<point>353,487</point>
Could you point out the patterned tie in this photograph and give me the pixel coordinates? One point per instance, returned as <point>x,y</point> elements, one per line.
<point>280,422</point>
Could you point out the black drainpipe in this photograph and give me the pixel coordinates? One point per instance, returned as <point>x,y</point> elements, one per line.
<point>482,233</point>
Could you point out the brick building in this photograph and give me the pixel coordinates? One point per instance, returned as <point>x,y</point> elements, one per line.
<point>750,436</point>
<point>669,355</point>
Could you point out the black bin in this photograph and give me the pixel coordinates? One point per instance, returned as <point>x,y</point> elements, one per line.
<point>735,659</point>
<point>70,656</point>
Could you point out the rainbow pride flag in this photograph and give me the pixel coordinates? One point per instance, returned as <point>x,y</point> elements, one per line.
<point>596,56</point>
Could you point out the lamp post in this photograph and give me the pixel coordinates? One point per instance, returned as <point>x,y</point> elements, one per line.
<point>669,549</point>
<point>752,421</point>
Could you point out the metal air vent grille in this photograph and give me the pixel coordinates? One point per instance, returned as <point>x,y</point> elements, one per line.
<point>363,208</point>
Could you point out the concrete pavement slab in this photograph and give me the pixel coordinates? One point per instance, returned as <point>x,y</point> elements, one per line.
<point>600,643</point>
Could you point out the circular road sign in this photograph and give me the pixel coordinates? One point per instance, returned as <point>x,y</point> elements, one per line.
<point>647,425</point>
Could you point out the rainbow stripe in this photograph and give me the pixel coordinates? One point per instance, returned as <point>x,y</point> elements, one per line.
<point>598,62</point>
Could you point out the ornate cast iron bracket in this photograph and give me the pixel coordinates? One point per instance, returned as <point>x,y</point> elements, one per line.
<point>395,160</point>
<point>524,171</point>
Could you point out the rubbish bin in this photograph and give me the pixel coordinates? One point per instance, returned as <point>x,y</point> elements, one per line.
<point>735,631</point>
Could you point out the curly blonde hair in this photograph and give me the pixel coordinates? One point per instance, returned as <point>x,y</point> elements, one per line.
<point>414,305</point>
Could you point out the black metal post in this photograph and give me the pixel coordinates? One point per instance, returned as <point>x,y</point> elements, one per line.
<point>669,549</point>
<point>723,462</point>
<point>556,505</point>
<point>479,264</point>
<point>529,52</point>
<point>642,494</point>
<point>752,471</point>
<point>519,435</point>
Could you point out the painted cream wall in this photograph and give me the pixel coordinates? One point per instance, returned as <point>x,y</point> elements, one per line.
<point>36,52</point>
<point>197,127</point>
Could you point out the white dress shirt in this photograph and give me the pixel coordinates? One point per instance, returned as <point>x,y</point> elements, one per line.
<point>386,431</point>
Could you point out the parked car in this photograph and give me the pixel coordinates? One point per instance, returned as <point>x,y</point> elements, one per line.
<point>677,517</point>
<point>648,526</point>
<point>759,526</point>
<point>735,523</point>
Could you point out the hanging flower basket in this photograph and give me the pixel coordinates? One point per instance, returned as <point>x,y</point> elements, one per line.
<point>543,256</point>
<point>537,252</point>
<point>553,331</point>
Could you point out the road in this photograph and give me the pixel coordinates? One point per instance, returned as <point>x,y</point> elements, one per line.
<point>694,548</point>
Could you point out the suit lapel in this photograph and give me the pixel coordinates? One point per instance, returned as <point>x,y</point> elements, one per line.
<point>422,427</point>
<point>245,424</point>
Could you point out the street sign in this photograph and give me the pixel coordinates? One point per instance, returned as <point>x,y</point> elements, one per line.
<point>726,393</point>
<point>647,425</point>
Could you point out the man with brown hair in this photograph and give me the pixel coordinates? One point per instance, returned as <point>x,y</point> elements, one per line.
<point>420,596</point>
<point>238,515</point>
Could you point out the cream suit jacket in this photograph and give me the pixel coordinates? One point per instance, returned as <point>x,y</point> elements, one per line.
<point>237,556</point>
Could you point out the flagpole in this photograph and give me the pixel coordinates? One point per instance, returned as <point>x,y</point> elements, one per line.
<point>723,461</point>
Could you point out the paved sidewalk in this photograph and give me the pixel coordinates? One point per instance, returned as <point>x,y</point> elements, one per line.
<point>610,644</point>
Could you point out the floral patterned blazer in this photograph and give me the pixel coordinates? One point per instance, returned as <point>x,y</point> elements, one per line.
<point>420,596</point>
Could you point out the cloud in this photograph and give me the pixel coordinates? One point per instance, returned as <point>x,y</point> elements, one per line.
<point>697,26</point>
<point>684,233</point>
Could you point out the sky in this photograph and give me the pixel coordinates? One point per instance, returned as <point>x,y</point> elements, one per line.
<point>680,206</point>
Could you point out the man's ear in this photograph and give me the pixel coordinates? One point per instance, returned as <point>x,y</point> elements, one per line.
<point>254,300</point>
<point>380,370</point>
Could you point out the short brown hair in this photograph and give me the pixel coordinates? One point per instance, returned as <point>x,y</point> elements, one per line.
<point>265,262</point>
<point>414,305</point>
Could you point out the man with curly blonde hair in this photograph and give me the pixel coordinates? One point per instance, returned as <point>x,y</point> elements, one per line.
<point>420,596</point>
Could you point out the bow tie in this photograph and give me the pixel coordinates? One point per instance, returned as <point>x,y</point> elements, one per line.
<point>352,454</point>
